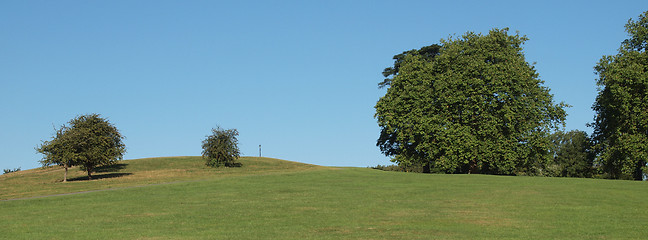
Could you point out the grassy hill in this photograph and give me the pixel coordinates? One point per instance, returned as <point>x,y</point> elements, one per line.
<point>129,173</point>
<point>274,199</point>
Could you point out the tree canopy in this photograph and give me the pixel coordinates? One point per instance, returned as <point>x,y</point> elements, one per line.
<point>58,151</point>
<point>572,155</point>
<point>467,105</point>
<point>89,141</point>
<point>621,121</point>
<point>221,148</point>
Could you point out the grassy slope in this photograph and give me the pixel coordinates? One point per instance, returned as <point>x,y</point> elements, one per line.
<point>337,203</point>
<point>47,181</point>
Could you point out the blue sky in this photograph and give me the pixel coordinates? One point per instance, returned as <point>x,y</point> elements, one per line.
<point>298,77</point>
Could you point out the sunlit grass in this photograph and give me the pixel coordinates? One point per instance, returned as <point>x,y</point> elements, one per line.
<point>47,181</point>
<point>339,203</point>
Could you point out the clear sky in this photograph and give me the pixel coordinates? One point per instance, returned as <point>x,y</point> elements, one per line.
<point>297,77</point>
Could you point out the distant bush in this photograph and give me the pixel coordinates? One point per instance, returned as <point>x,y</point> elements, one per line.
<point>221,148</point>
<point>392,167</point>
<point>11,170</point>
<point>403,168</point>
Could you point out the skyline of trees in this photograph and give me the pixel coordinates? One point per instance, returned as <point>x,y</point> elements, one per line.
<point>451,107</point>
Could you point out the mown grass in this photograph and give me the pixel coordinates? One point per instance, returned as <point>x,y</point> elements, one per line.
<point>341,203</point>
<point>48,181</point>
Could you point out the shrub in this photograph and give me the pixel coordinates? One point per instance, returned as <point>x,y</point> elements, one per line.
<point>8,170</point>
<point>221,148</point>
<point>403,168</point>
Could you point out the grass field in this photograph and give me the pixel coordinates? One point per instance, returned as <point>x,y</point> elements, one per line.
<point>47,181</point>
<point>273,199</point>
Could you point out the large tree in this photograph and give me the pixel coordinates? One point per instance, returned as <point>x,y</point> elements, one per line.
<point>467,105</point>
<point>621,122</point>
<point>89,141</point>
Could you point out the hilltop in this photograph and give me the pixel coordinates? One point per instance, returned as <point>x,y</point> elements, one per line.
<point>136,172</point>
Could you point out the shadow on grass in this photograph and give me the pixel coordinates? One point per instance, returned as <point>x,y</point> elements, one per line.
<point>111,168</point>
<point>236,164</point>
<point>100,176</point>
<point>110,171</point>
<point>229,165</point>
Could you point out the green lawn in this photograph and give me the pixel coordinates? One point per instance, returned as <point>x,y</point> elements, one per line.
<point>47,181</point>
<point>307,202</point>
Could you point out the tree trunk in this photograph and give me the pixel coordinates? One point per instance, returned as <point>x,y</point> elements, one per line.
<point>473,167</point>
<point>90,170</point>
<point>65,174</point>
<point>426,167</point>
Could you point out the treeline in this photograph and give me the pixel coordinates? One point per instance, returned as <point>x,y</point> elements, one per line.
<point>571,156</point>
<point>473,104</point>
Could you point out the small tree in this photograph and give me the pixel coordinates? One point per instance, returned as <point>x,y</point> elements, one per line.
<point>58,151</point>
<point>89,142</point>
<point>221,148</point>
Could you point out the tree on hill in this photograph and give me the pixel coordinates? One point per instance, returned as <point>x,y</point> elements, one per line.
<point>221,148</point>
<point>89,141</point>
<point>621,121</point>
<point>58,151</point>
<point>468,105</point>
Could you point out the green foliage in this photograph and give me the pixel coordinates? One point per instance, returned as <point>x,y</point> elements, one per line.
<point>392,167</point>
<point>399,168</point>
<point>221,148</point>
<point>59,151</point>
<point>621,122</point>
<point>427,53</point>
<point>469,105</point>
<point>89,141</point>
<point>572,155</point>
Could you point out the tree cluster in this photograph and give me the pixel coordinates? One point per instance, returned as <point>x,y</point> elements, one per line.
<point>474,105</point>
<point>89,141</point>
<point>572,155</point>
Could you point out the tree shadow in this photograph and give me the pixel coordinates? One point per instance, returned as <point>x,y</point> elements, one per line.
<point>235,164</point>
<point>109,171</point>
<point>111,168</point>
<point>99,176</point>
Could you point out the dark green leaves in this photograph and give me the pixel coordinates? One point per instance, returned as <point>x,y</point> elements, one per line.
<point>89,141</point>
<point>638,31</point>
<point>471,104</point>
<point>621,122</point>
<point>572,155</point>
<point>221,148</point>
